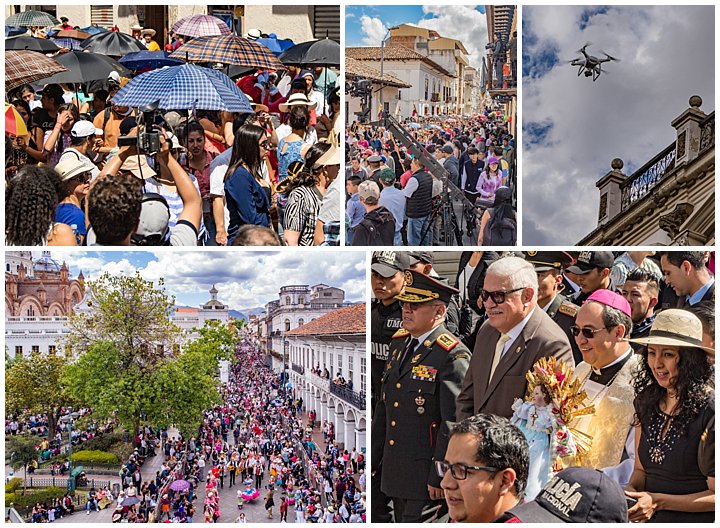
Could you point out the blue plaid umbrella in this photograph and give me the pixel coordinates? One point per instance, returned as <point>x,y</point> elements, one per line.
<point>182,88</point>
<point>69,43</point>
<point>151,59</point>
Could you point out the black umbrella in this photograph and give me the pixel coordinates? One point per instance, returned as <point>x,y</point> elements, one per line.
<point>325,52</point>
<point>32,44</point>
<point>84,67</point>
<point>112,43</point>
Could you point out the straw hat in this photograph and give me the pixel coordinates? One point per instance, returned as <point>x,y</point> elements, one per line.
<point>675,327</point>
<point>297,99</point>
<point>148,31</point>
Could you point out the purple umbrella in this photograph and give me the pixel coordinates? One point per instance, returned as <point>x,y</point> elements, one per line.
<point>179,485</point>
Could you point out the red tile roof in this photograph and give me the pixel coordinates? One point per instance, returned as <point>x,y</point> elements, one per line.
<point>393,53</point>
<point>350,320</point>
<point>356,68</point>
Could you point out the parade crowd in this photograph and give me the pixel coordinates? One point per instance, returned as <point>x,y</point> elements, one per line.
<point>77,174</point>
<point>402,205</point>
<point>544,386</point>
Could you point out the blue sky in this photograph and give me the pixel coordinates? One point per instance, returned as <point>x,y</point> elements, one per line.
<point>244,279</point>
<point>367,24</point>
<point>574,127</point>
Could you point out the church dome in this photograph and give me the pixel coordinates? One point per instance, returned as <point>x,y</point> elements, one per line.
<point>47,264</point>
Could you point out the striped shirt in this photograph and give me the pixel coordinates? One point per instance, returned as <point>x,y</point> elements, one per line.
<point>301,213</point>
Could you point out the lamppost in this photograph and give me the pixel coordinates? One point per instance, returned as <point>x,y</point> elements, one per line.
<point>69,420</point>
<point>286,345</point>
<point>382,67</point>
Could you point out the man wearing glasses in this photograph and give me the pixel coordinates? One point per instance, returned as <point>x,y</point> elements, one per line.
<point>422,377</point>
<point>485,469</point>
<point>601,329</point>
<point>516,334</point>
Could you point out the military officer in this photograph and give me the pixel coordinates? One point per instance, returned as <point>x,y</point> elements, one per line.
<point>548,266</point>
<point>422,378</point>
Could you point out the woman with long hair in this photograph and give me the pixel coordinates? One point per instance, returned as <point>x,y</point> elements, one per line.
<point>498,225</point>
<point>59,138</point>
<point>674,474</point>
<point>490,179</point>
<point>246,192</point>
<point>305,193</point>
<point>30,201</point>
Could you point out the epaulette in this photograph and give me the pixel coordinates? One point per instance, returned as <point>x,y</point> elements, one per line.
<point>401,333</point>
<point>447,341</point>
<point>569,309</point>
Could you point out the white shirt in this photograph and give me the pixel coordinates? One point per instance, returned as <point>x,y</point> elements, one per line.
<point>515,331</point>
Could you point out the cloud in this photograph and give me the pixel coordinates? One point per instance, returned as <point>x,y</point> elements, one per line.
<point>573,127</point>
<point>463,23</point>
<point>373,29</point>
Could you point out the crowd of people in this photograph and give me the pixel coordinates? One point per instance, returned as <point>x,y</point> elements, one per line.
<point>218,178</point>
<point>402,207</point>
<point>539,373</point>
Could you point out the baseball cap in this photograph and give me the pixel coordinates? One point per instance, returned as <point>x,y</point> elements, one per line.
<point>589,260</point>
<point>420,256</point>
<point>388,263</point>
<point>576,495</point>
<point>369,192</point>
<point>154,218</point>
<point>84,129</point>
<point>447,148</point>
<point>113,77</point>
<point>387,176</point>
<point>70,168</point>
<point>611,299</point>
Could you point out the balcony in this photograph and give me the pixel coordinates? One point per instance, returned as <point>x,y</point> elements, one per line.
<point>435,98</point>
<point>357,399</point>
<point>641,182</point>
<point>707,133</point>
<point>298,368</point>
<point>320,383</point>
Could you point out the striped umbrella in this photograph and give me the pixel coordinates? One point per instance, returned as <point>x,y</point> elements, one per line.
<point>201,26</point>
<point>182,88</point>
<point>228,49</point>
<point>14,123</point>
<point>25,66</point>
<point>67,43</point>
<point>32,18</point>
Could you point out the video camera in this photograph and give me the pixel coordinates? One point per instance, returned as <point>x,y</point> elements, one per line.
<point>147,140</point>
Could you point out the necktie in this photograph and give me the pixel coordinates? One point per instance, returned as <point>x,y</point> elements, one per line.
<point>504,338</point>
<point>409,349</point>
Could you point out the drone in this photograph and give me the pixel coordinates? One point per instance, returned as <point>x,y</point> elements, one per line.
<point>589,64</point>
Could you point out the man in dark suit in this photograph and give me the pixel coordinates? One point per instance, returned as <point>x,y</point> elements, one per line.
<point>687,274</point>
<point>516,334</point>
<point>417,401</point>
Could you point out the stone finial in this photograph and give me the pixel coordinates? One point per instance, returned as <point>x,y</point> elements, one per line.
<point>696,101</point>
<point>617,164</point>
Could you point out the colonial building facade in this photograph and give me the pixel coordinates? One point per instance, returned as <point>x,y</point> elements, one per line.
<point>320,353</point>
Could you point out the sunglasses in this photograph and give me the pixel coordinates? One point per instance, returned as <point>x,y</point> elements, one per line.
<point>586,331</point>
<point>83,178</point>
<point>498,297</point>
<point>459,471</point>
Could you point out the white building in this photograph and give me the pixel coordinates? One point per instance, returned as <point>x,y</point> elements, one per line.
<point>334,342</point>
<point>190,319</point>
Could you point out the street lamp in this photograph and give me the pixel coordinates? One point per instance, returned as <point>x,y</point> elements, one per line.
<point>382,66</point>
<point>69,420</point>
<point>285,359</point>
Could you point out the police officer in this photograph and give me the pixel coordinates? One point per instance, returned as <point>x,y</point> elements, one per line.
<point>422,378</point>
<point>548,266</point>
<point>592,269</point>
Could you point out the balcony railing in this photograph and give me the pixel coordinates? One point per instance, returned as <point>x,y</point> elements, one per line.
<point>354,398</point>
<point>707,133</point>
<point>298,368</point>
<point>320,383</point>
<point>435,98</point>
<point>639,184</point>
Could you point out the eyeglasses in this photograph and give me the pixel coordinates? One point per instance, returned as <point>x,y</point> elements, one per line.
<point>83,178</point>
<point>586,331</point>
<point>415,306</point>
<point>265,144</point>
<point>459,471</point>
<point>498,297</point>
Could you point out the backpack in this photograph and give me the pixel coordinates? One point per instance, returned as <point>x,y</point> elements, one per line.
<point>500,233</point>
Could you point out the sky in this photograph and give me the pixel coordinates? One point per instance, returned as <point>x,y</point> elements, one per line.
<point>368,25</point>
<point>573,127</point>
<point>247,279</point>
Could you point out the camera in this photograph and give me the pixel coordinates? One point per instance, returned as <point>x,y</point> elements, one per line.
<point>147,142</point>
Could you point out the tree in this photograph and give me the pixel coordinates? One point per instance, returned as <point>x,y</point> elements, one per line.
<point>22,452</point>
<point>35,383</point>
<point>216,339</point>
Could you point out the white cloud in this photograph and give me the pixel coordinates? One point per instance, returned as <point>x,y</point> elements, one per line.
<point>626,113</point>
<point>373,29</point>
<point>460,22</point>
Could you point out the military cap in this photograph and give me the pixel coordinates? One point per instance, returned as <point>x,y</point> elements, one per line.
<point>548,260</point>
<point>388,263</point>
<point>421,288</point>
<point>589,260</point>
<point>374,159</point>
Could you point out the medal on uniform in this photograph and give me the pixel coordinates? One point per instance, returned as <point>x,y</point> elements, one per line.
<point>420,401</point>
<point>427,343</point>
<point>415,358</point>
<point>421,410</point>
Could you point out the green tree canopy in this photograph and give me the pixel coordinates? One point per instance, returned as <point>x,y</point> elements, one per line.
<point>21,451</point>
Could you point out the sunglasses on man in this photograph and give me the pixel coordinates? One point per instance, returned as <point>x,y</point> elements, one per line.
<point>498,297</point>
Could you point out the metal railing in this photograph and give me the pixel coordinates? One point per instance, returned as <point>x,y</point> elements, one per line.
<point>298,368</point>
<point>641,182</point>
<point>319,382</point>
<point>707,133</point>
<point>61,482</point>
<point>354,398</point>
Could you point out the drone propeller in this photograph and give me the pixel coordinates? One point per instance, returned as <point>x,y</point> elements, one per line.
<point>583,48</point>
<point>610,56</point>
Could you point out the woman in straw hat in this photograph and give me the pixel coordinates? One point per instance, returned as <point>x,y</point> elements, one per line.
<point>675,414</point>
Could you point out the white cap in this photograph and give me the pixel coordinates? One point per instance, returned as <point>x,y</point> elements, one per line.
<point>83,129</point>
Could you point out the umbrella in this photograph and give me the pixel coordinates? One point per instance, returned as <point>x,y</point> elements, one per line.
<point>31,43</point>
<point>228,49</point>
<point>238,71</point>
<point>414,125</point>
<point>83,67</point>
<point>324,52</point>
<point>67,43</point>
<point>112,43</point>
<point>179,485</point>
<point>151,59</point>
<point>31,18</point>
<point>14,123</point>
<point>93,30</point>
<point>130,501</point>
<point>72,33</point>
<point>13,31</point>
<point>24,66</point>
<point>277,46</point>
<point>201,26</point>
<point>184,87</point>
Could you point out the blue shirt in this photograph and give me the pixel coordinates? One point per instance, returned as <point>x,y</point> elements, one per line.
<point>394,200</point>
<point>355,210</point>
<point>72,215</point>
<point>692,299</point>
<point>247,201</point>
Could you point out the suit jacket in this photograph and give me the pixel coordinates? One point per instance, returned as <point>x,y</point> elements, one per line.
<point>709,296</point>
<point>412,416</point>
<point>541,337</point>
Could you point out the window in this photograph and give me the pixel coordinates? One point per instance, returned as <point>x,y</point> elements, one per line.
<point>30,311</point>
<point>331,364</point>
<point>427,87</point>
<point>327,294</point>
<point>18,350</point>
<point>35,349</point>
<point>350,368</point>
<point>287,325</point>
<point>51,350</point>
<point>363,369</point>
<point>339,363</point>
<point>160,349</point>
<point>7,267</point>
<point>101,15</point>
<point>301,321</point>
<point>301,299</point>
<point>176,348</point>
<point>287,300</point>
